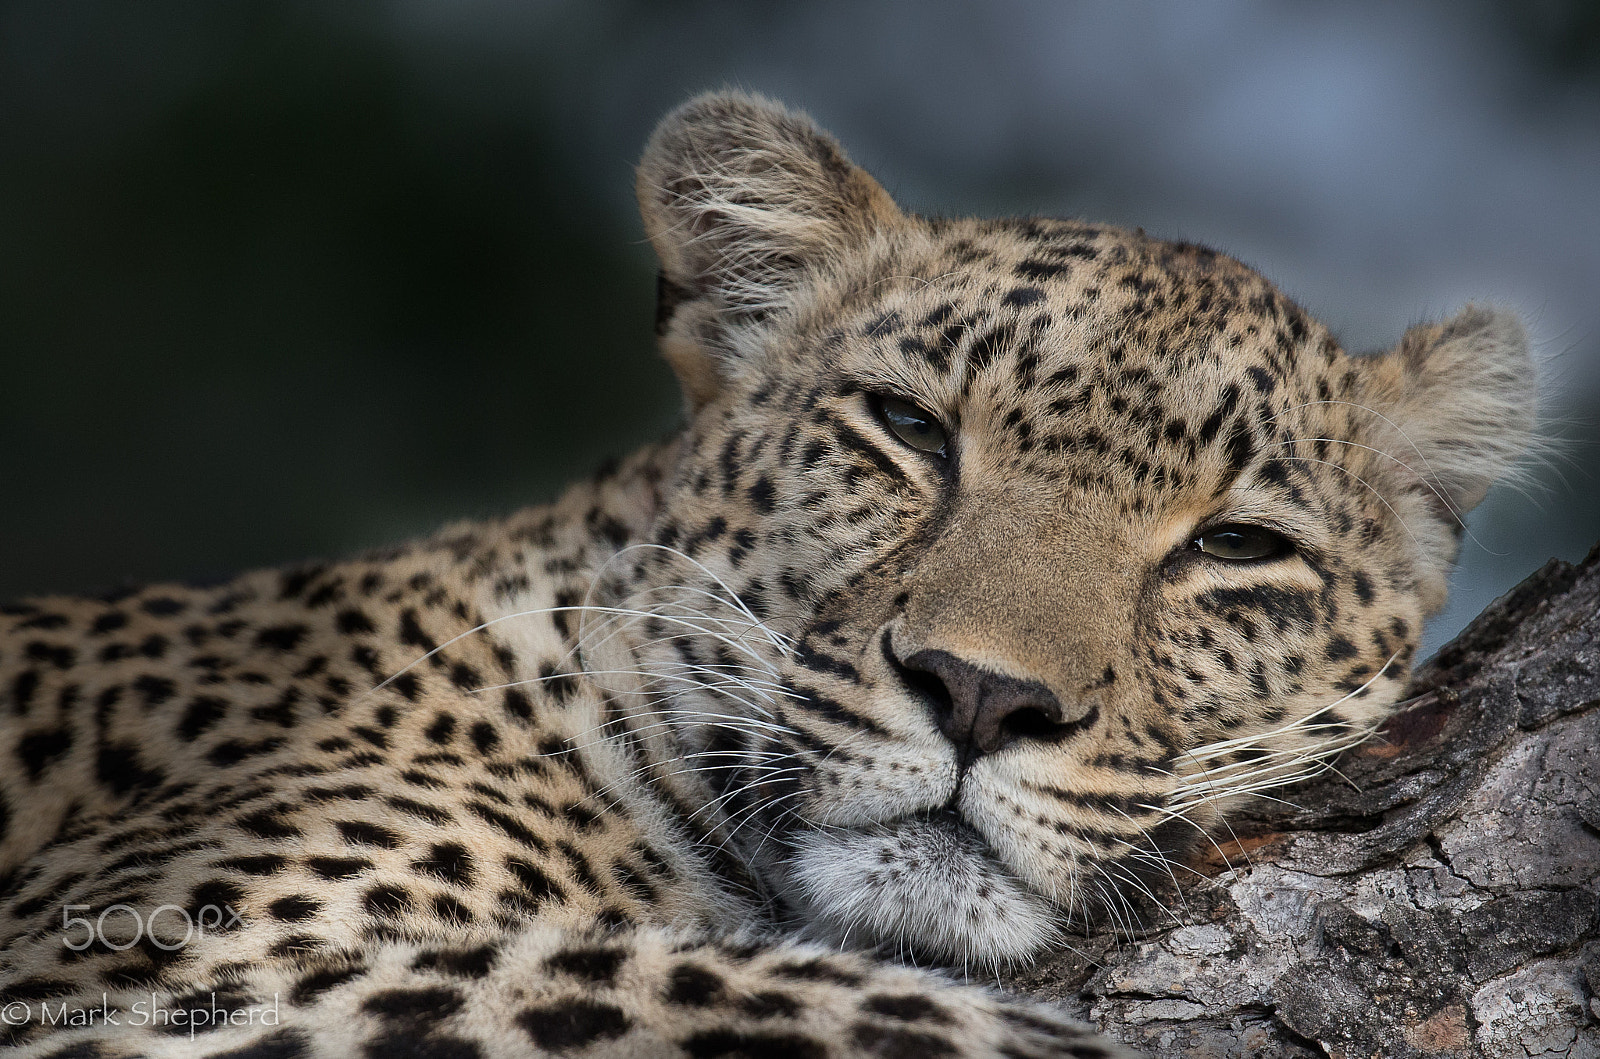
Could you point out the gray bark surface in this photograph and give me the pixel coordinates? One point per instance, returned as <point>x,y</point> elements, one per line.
<point>1438,896</point>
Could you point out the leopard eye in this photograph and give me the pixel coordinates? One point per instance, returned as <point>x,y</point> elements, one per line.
<point>1238,542</point>
<point>912,425</point>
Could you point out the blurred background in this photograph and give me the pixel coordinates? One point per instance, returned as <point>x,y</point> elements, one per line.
<point>282,280</point>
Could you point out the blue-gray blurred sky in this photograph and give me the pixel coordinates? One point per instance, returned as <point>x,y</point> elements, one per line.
<point>290,279</point>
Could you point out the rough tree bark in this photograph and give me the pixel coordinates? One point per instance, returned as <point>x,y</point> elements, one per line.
<point>1441,899</point>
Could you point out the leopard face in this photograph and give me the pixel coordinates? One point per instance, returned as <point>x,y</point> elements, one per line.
<point>1002,555</point>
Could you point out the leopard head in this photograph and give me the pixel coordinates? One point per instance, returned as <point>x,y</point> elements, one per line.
<point>1000,556</point>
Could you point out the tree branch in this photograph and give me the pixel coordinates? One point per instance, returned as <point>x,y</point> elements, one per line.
<point>1438,896</point>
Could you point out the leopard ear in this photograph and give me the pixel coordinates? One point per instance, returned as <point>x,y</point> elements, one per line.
<point>1457,402</point>
<point>741,196</point>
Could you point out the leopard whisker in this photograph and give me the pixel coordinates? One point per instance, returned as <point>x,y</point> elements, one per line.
<point>1116,871</point>
<point>732,823</point>
<point>1153,855</point>
<point>1210,750</point>
<point>1179,814</point>
<point>1369,486</point>
<point>653,769</point>
<point>1529,447</point>
<point>778,641</point>
<point>605,740</point>
<point>1259,753</point>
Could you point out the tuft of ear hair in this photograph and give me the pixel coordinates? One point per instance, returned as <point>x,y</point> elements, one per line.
<point>1457,401</point>
<point>739,197</point>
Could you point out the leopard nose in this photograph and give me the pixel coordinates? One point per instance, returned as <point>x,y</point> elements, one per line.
<point>984,711</point>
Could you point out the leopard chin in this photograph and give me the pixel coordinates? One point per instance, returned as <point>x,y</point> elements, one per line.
<point>927,886</point>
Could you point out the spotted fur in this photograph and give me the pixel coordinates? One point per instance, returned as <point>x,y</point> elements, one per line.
<point>632,774</point>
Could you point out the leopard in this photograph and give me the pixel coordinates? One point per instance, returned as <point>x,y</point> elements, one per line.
<point>993,562</point>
